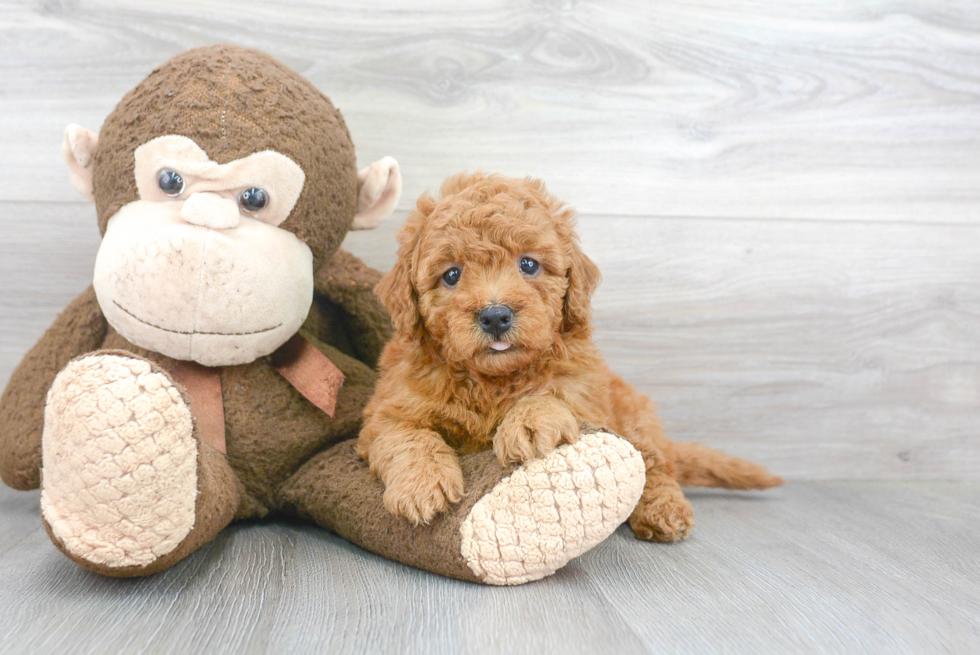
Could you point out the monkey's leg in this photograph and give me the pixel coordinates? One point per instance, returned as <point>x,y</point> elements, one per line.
<point>514,524</point>
<point>127,489</point>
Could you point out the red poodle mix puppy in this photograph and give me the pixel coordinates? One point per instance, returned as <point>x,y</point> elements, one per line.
<point>493,349</point>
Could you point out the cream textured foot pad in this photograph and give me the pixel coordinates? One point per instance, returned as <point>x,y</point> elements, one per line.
<point>119,461</point>
<point>552,510</point>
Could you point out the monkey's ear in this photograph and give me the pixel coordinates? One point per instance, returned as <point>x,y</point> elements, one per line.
<point>379,186</point>
<point>77,150</point>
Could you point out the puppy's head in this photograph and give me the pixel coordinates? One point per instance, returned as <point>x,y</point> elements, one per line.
<point>491,274</point>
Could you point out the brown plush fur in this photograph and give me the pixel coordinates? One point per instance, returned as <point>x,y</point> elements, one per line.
<point>443,390</point>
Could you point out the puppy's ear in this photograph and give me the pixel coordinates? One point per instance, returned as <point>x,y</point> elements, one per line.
<point>395,290</point>
<point>397,294</point>
<point>583,278</point>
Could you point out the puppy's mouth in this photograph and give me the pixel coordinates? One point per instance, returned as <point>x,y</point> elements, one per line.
<point>501,346</point>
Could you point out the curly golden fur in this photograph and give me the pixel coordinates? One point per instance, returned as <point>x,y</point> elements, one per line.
<point>448,386</point>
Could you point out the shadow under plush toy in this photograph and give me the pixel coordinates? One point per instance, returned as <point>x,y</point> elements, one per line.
<point>219,366</point>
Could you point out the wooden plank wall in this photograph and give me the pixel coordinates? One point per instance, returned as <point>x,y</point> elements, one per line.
<point>784,198</point>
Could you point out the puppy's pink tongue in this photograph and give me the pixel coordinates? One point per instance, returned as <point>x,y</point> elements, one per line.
<point>500,345</point>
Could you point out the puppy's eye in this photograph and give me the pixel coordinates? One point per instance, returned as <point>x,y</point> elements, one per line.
<point>171,183</point>
<point>253,200</point>
<point>451,277</point>
<point>529,266</point>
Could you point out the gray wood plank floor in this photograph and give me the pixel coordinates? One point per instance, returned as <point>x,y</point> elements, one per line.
<point>884,567</point>
<point>784,201</point>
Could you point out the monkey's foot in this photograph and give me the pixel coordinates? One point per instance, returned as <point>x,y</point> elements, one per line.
<point>120,486</point>
<point>552,509</point>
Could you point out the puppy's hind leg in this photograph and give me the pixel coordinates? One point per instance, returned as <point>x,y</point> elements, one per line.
<point>663,513</point>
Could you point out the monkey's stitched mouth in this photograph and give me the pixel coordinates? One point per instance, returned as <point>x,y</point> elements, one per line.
<point>221,334</point>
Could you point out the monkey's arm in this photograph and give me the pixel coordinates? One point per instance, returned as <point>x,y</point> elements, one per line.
<point>349,282</point>
<point>79,329</point>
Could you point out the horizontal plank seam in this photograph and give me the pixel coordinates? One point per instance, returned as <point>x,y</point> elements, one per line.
<point>401,212</point>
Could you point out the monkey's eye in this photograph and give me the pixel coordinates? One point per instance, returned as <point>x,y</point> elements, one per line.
<point>529,266</point>
<point>253,200</point>
<point>451,277</point>
<point>171,183</point>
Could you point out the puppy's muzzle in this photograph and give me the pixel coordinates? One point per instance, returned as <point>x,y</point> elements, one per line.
<point>495,320</point>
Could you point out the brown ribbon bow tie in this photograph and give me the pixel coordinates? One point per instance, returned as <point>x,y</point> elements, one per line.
<point>306,368</point>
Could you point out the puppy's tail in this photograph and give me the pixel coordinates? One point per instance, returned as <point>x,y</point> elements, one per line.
<point>697,466</point>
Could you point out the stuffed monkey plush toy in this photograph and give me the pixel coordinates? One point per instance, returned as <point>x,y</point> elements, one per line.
<point>219,365</point>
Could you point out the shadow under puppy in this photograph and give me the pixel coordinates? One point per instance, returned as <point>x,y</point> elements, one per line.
<point>493,349</point>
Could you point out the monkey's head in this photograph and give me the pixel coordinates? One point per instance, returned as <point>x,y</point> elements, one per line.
<point>220,183</point>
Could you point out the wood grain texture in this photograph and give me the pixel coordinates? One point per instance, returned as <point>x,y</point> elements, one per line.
<point>817,567</point>
<point>829,110</point>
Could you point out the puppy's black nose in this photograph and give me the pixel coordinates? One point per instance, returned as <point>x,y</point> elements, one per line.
<point>496,319</point>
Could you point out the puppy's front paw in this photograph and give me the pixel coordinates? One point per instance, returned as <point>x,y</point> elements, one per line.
<point>534,428</point>
<point>424,489</point>
<point>667,518</point>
